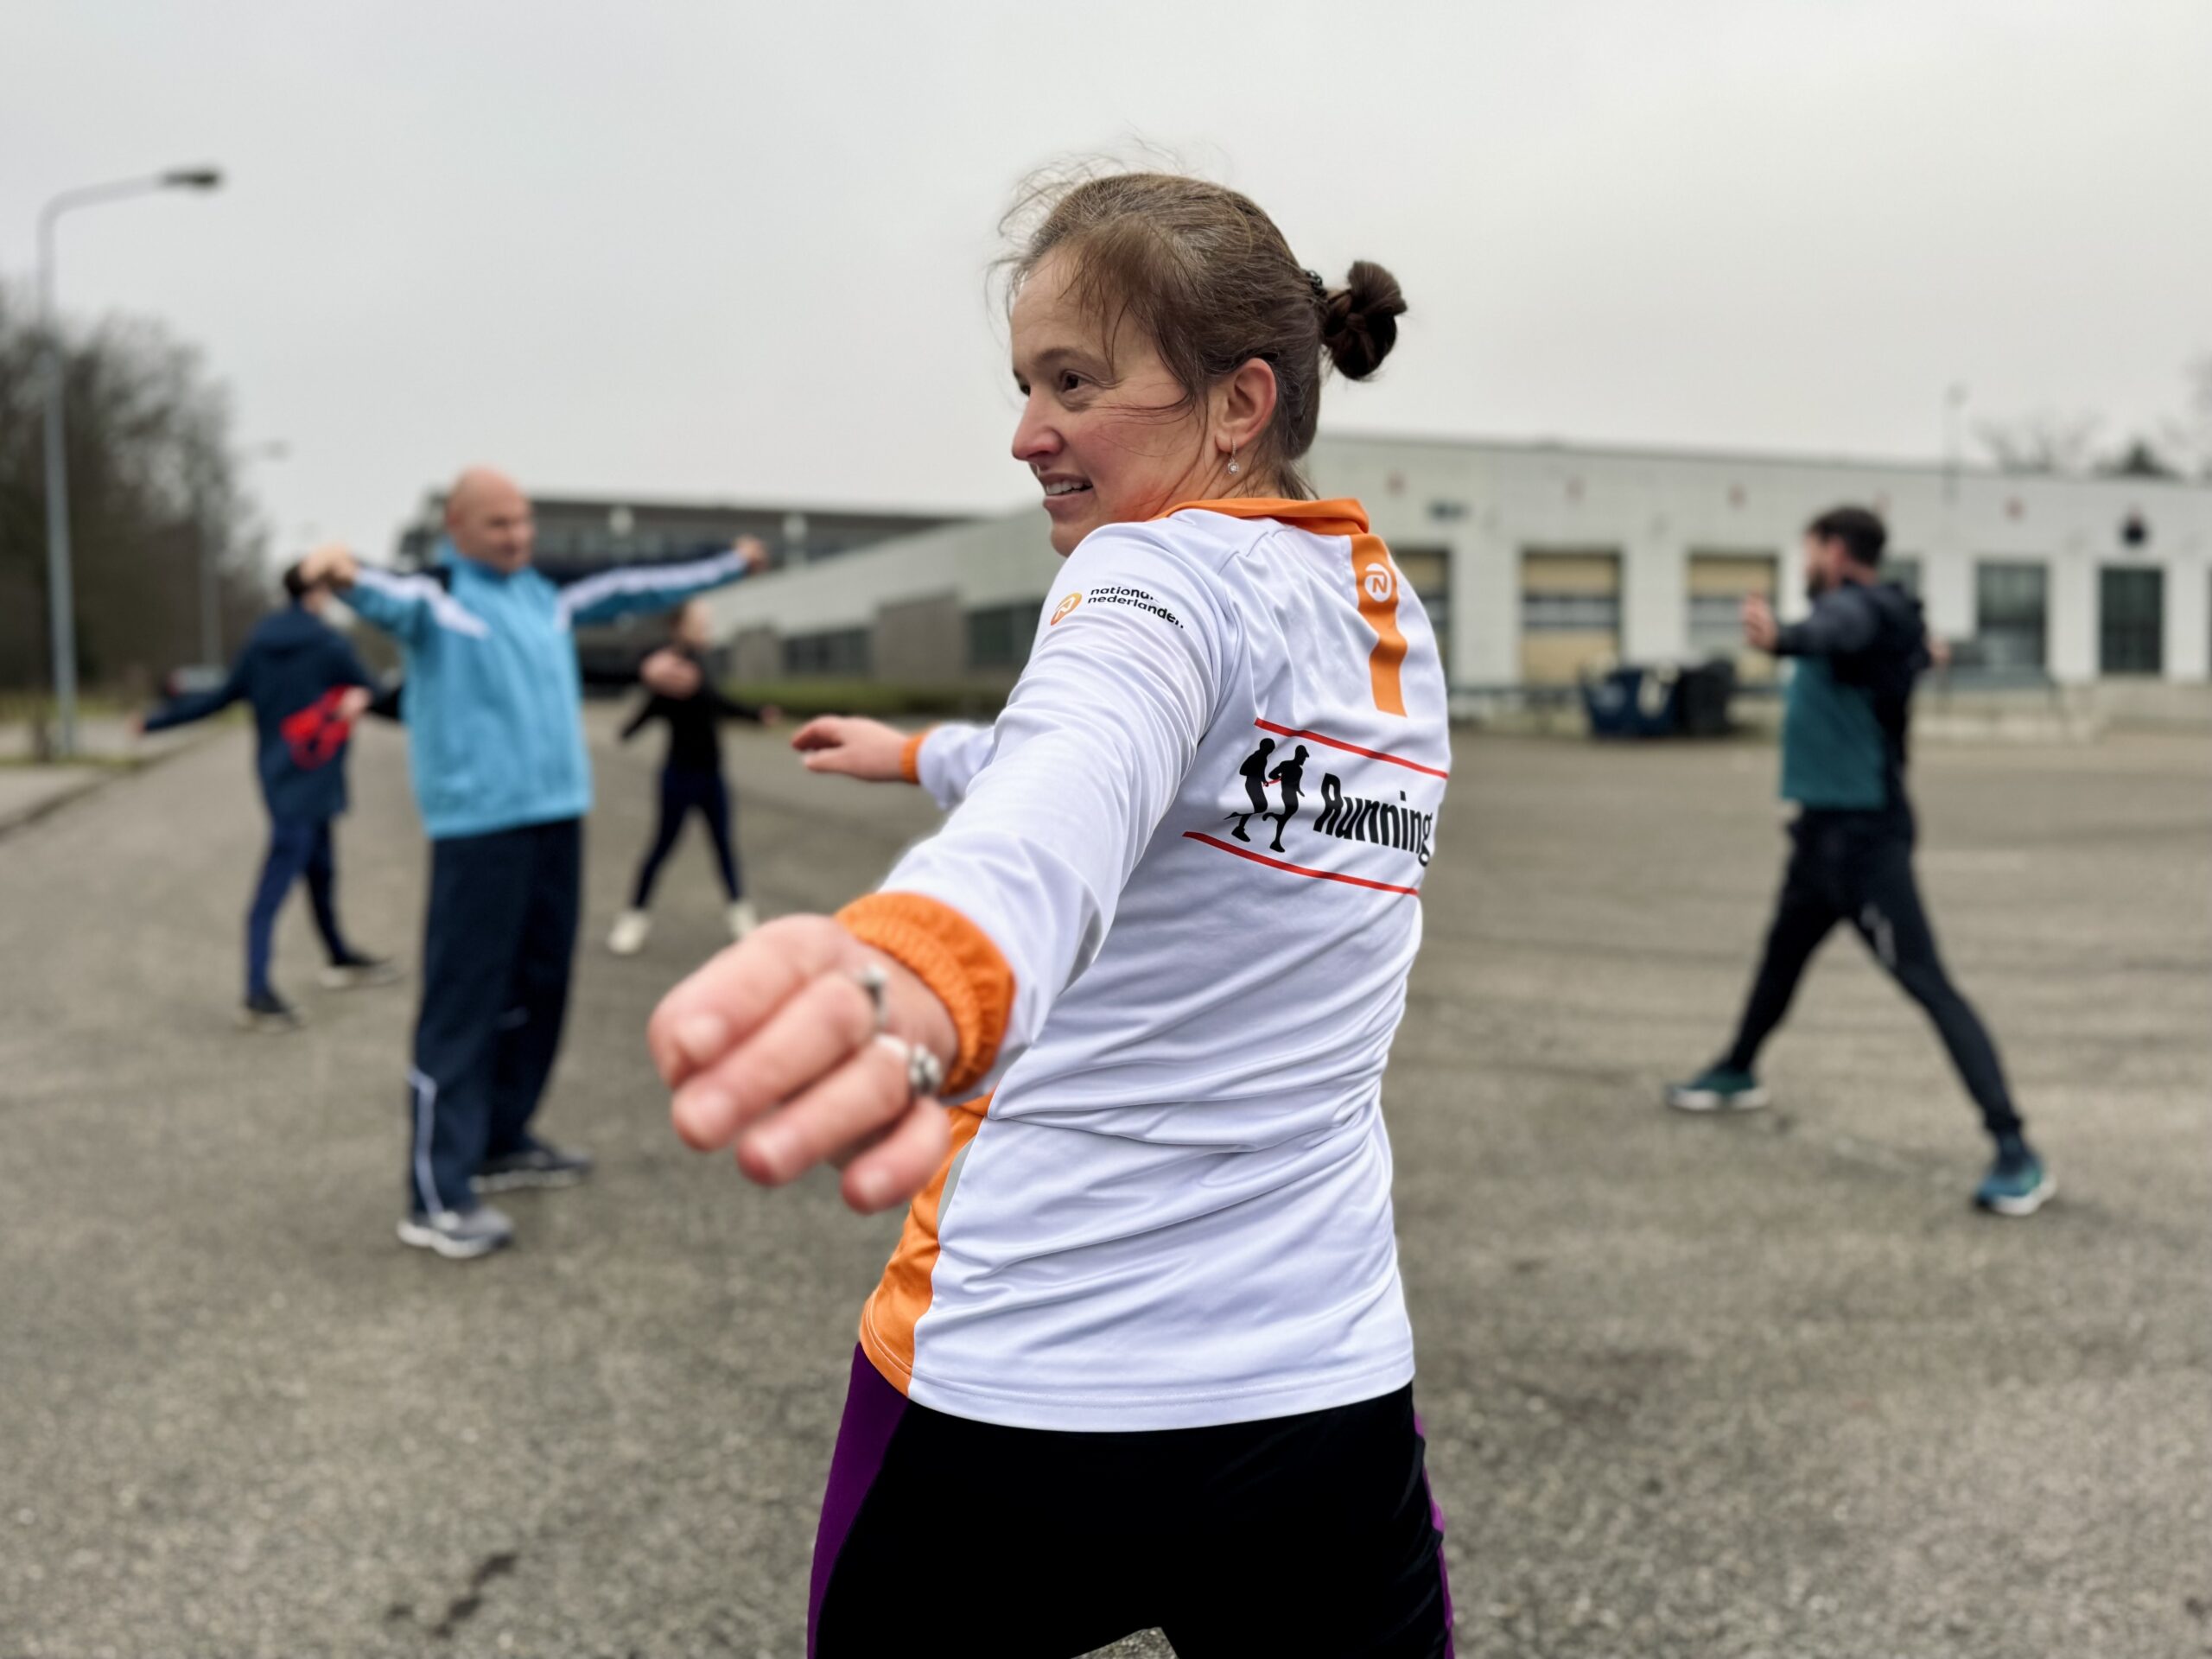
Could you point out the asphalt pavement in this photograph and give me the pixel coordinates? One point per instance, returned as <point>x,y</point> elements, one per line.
<point>1715,1389</point>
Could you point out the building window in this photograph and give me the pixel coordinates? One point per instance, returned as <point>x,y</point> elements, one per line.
<point>2130,620</point>
<point>1905,572</point>
<point>2011,615</point>
<point>1427,571</point>
<point>1570,611</point>
<point>999,636</point>
<point>1718,585</point>
<point>841,652</point>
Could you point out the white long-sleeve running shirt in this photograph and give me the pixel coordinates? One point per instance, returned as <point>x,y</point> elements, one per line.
<point>1173,913</point>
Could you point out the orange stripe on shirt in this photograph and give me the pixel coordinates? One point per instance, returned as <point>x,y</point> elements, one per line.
<point>910,756</point>
<point>1342,517</point>
<point>1377,580</point>
<point>902,1296</point>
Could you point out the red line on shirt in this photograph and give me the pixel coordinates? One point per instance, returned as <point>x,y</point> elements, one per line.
<point>1300,869</point>
<point>1353,748</point>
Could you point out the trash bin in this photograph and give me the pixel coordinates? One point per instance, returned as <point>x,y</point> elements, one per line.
<point>1659,699</point>
<point>1702,696</point>
<point>1632,699</point>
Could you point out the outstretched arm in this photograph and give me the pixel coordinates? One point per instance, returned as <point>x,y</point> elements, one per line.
<point>943,760</point>
<point>658,587</point>
<point>729,708</point>
<point>769,1047</point>
<point>1842,622</point>
<point>407,605</point>
<point>198,705</point>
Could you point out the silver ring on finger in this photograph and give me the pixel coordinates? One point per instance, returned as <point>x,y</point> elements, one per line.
<point>925,1071</point>
<point>871,978</point>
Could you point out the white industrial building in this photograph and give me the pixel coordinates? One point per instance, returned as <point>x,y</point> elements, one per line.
<point>1537,560</point>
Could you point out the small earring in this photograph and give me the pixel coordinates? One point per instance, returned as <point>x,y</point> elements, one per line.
<point>1232,463</point>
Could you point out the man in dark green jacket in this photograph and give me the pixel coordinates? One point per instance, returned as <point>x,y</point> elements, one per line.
<point>1843,757</point>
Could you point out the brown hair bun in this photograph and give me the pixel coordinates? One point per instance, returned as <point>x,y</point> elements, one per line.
<point>1359,322</point>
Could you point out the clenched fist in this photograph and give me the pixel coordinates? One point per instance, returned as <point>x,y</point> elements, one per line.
<point>772,1048</point>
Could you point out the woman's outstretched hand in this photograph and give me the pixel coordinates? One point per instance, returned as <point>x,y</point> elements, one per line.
<point>772,1048</point>
<point>858,748</point>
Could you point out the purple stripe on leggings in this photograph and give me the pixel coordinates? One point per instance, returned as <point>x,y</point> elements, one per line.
<point>1436,1520</point>
<point>872,1408</point>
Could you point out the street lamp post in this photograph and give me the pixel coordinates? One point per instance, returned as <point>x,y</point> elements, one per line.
<point>60,599</point>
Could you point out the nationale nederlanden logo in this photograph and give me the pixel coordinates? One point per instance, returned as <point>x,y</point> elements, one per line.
<point>1380,585</point>
<point>1067,605</point>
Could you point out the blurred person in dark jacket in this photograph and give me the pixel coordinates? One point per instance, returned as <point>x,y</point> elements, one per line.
<point>306,688</point>
<point>1844,729</point>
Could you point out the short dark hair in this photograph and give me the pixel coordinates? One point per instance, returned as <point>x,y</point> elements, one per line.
<point>296,585</point>
<point>1859,530</point>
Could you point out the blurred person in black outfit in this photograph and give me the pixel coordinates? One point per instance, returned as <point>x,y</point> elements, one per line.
<point>684,696</point>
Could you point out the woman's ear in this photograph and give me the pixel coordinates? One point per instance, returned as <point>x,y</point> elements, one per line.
<point>1243,405</point>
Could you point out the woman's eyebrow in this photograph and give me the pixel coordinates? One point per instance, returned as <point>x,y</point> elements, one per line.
<point>1054,356</point>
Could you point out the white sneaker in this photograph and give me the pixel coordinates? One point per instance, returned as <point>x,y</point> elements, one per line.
<point>631,928</point>
<point>743,918</point>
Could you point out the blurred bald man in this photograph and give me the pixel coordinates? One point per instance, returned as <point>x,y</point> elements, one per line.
<point>496,734</point>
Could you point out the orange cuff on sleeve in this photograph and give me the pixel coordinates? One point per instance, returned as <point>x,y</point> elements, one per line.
<point>910,757</point>
<point>955,959</point>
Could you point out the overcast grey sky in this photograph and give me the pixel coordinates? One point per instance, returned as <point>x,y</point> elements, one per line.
<point>737,250</point>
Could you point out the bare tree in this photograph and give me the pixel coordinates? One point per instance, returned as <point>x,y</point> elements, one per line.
<point>2188,438</point>
<point>2180,445</point>
<point>2045,442</point>
<point>153,483</point>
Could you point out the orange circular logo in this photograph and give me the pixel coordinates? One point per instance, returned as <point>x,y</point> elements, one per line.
<point>1380,584</point>
<point>1067,605</point>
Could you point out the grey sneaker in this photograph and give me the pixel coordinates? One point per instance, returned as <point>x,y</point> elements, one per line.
<point>266,1011</point>
<point>1718,1088</point>
<point>535,1165</point>
<point>458,1235</point>
<point>353,972</point>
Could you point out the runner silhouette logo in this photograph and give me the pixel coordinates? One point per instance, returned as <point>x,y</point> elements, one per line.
<point>1344,831</point>
<point>1261,769</point>
<point>1066,606</point>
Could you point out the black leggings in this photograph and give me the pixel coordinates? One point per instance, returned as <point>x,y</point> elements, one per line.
<point>681,790</point>
<point>1857,867</point>
<point>1312,1534</point>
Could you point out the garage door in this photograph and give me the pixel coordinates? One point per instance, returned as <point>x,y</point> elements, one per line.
<point>1719,584</point>
<point>1570,611</point>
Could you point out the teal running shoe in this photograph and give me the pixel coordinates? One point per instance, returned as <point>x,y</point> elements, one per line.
<point>2018,1184</point>
<point>1718,1088</point>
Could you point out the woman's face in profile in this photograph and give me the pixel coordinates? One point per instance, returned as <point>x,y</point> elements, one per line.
<point>1105,428</point>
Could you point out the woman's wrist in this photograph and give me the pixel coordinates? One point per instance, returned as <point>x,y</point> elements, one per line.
<point>912,1012</point>
<point>956,964</point>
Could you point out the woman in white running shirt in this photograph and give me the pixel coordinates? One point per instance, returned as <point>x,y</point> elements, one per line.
<point>1140,1357</point>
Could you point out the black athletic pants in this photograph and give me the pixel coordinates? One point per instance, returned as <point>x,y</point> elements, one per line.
<point>1306,1534</point>
<point>684,790</point>
<point>497,945</point>
<point>1857,867</point>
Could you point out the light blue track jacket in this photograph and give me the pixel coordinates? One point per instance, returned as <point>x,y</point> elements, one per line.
<point>492,701</point>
